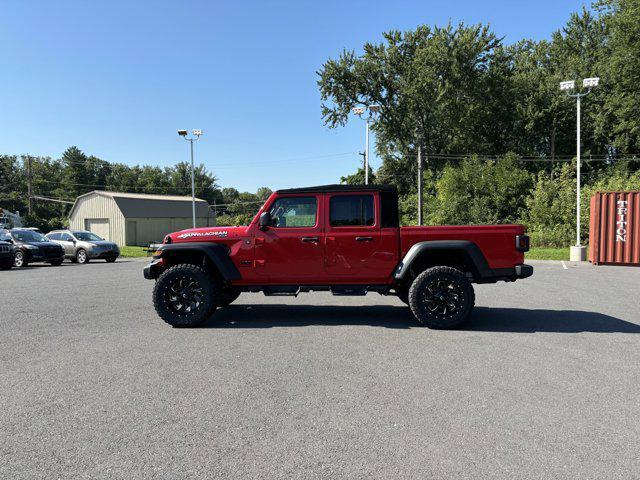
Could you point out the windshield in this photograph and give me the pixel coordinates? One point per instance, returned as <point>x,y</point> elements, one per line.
<point>87,237</point>
<point>28,236</point>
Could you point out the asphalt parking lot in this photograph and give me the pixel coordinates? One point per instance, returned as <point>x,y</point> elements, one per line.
<point>543,382</point>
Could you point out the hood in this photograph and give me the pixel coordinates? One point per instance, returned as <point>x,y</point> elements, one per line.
<point>207,234</point>
<point>100,242</point>
<point>42,244</point>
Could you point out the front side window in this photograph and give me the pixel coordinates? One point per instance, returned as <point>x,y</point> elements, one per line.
<point>292,212</point>
<point>351,211</point>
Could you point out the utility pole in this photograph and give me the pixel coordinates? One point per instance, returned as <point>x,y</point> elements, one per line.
<point>419,185</point>
<point>29,186</point>
<point>364,164</point>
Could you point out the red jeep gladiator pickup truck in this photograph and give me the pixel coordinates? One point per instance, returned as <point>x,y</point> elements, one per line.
<point>340,238</point>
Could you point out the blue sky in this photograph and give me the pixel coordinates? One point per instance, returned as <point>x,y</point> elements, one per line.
<point>118,78</point>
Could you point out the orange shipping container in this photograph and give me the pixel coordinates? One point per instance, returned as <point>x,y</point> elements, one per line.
<point>614,230</point>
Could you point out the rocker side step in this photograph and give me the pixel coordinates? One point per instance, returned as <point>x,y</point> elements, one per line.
<point>283,291</point>
<point>348,290</point>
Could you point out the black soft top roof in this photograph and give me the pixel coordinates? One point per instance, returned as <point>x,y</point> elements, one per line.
<point>342,188</point>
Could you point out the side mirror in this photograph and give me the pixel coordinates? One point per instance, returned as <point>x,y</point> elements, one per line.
<point>265,220</point>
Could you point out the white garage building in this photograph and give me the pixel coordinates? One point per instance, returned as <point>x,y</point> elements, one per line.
<point>136,218</point>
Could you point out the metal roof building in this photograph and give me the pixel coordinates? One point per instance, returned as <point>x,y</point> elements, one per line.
<point>136,218</point>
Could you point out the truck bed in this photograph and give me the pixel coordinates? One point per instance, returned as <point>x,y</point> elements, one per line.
<point>497,242</point>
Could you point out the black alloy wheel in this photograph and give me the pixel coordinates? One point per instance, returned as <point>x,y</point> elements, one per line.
<point>185,295</point>
<point>441,297</point>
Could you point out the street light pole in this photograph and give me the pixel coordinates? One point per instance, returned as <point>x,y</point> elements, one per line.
<point>366,154</point>
<point>196,135</point>
<point>578,253</point>
<point>359,111</point>
<point>578,171</point>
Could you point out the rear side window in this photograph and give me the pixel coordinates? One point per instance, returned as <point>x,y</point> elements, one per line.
<point>389,217</point>
<point>54,236</point>
<point>292,212</point>
<point>351,211</point>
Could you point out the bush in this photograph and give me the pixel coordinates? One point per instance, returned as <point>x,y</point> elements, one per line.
<point>480,192</point>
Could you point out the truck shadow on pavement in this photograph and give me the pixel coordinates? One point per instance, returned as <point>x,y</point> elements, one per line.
<point>483,319</point>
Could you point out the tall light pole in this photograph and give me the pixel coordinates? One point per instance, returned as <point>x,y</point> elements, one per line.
<point>360,111</point>
<point>195,136</point>
<point>578,253</point>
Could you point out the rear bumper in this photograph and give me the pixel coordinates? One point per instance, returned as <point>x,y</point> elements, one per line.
<point>153,270</point>
<point>523,271</point>
<point>506,274</point>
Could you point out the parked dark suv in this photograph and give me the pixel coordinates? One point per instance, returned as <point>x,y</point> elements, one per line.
<point>7,255</point>
<point>31,246</point>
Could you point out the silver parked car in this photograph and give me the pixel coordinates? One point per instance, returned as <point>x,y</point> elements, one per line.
<point>81,246</point>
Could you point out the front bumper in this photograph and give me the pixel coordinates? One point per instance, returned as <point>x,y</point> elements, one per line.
<point>103,254</point>
<point>153,270</point>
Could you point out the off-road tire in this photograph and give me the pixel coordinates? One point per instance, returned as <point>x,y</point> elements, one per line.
<point>441,288</point>
<point>82,256</point>
<point>163,294</point>
<point>22,263</point>
<point>56,263</point>
<point>228,296</point>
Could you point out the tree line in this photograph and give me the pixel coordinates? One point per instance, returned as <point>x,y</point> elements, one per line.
<point>76,173</point>
<point>496,133</point>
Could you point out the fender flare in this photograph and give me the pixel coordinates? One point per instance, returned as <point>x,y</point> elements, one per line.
<point>216,253</point>
<point>471,251</point>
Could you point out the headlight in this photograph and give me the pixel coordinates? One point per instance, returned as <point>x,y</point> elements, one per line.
<point>31,247</point>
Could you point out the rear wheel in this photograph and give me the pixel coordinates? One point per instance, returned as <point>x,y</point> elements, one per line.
<point>441,297</point>
<point>20,260</point>
<point>185,295</point>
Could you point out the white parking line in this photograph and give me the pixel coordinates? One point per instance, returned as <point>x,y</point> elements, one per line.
<point>564,265</point>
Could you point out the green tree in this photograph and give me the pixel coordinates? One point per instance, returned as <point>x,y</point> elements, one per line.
<point>441,87</point>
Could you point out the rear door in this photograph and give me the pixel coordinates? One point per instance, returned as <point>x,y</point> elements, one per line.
<point>355,250</point>
<point>290,251</point>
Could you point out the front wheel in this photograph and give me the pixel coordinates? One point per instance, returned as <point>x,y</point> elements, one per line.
<point>81,256</point>
<point>441,297</point>
<point>185,295</point>
<point>20,260</point>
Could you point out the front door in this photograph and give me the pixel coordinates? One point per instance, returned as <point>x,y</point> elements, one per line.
<point>355,250</point>
<point>290,251</point>
<point>67,241</point>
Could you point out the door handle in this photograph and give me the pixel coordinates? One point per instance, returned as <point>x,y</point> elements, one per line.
<point>309,239</point>
<point>364,239</point>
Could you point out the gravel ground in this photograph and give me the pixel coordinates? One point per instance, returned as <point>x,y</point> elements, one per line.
<point>541,383</point>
